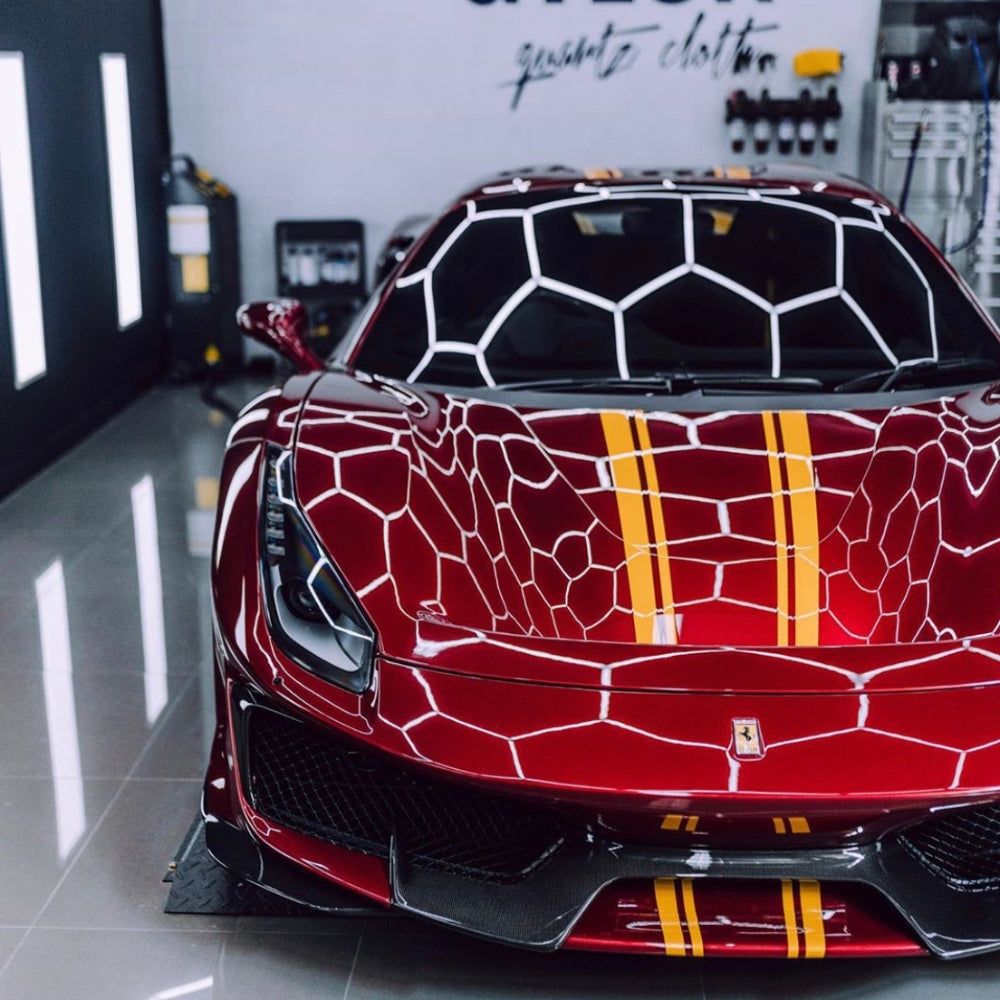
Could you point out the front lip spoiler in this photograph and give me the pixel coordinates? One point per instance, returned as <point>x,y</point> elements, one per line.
<point>234,848</point>
<point>539,912</point>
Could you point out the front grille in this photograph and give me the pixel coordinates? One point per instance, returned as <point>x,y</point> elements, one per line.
<point>318,785</point>
<point>961,847</point>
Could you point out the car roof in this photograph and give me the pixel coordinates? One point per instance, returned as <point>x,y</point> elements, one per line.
<point>801,177</point>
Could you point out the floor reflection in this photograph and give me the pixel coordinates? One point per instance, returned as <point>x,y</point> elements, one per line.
<point>147,558</point>
<point>185,989</point>
<point>60,707</point>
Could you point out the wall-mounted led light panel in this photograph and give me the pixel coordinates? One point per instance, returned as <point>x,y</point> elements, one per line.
<point>121,177</point>
<point>20,237</point>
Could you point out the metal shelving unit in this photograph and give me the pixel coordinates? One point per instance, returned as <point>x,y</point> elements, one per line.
<point>946,192</point>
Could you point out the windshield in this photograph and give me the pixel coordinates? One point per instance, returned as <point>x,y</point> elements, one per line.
<point>625,286</point>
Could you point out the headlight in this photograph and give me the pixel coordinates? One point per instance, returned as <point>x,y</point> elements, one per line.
<point>312,614</point>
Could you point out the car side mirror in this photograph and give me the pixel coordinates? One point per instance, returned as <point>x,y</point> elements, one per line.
<point>280,324</point>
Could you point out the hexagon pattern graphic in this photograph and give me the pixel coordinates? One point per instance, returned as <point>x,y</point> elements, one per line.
<point>452,508</point>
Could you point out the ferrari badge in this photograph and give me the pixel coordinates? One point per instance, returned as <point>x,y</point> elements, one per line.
<point>747,741</point>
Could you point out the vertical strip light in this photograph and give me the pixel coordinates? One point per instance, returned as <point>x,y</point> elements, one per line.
<point>20,237</point>
<point>60,707</point>
<point>121,177</point>
<point>147,558</point>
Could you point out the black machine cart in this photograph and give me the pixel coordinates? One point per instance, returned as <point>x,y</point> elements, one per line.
<point>204,270</point>
<point>322,263</point>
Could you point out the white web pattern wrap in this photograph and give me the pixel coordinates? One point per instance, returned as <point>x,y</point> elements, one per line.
<point>870,218</point>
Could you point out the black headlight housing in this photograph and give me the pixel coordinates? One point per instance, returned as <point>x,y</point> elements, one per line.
<point>312,614</point>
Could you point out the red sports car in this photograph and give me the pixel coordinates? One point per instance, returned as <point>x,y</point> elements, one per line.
<point>629,580</point>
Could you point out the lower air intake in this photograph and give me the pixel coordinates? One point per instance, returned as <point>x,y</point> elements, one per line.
<point>962,847</point>
<point>310,782</point>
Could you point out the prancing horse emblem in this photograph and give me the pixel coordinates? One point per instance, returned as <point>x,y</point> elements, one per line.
<point>747,740</point>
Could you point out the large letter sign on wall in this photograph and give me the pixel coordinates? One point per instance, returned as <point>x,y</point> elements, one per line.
<point>729,48</point>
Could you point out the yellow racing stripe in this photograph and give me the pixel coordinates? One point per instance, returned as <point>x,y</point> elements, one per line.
<point>811,902</point>
<point>659,531</point>
<point>674,821</point>
<point>670,919</point>
<point>795,824</point>
<point>632,515</point>
<point>805,525</point>
<point>791,921</point>
<point>780,530</point>
<point>691,918</point>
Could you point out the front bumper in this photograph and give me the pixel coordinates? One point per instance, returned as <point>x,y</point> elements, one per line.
<point>593,892</point>
<point>733,910</point>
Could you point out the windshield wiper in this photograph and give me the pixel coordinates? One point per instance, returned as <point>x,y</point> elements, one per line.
<point>591,382</point>
<point>754,383</point>
<point>886,379</point>
<point>672,383</point>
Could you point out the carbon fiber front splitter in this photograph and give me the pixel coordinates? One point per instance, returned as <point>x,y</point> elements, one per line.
<point>540,911</point>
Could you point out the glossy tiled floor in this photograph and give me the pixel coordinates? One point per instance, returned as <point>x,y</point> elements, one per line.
<point>104,716</point>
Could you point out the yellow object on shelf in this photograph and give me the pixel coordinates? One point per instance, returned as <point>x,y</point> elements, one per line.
<point>733,173</point>
<point>602,173</point>
<point>819,62</point>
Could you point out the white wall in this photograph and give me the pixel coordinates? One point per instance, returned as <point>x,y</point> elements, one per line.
<point>376,109</point>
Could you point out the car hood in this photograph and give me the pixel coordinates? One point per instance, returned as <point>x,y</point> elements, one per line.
<point>599,534</point>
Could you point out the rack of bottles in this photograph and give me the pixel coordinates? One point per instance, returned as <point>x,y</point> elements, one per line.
<point>801,122</point>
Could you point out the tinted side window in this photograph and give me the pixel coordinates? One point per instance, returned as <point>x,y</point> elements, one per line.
<point>889,291</point>
<point>961,331</point>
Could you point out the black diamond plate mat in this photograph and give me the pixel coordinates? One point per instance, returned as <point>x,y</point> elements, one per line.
<point>199,884</point>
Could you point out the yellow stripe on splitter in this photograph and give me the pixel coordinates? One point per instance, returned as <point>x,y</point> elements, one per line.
<point>674,821</point>
<point>791,922</point>
<point>805,525</point>
<point>659,530</point>
<point>796,824</point>
<point>670,918</point>
<point>780,530</point>
<point>811,902</point>
<point>691,918</point>
<point>632,515</point>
